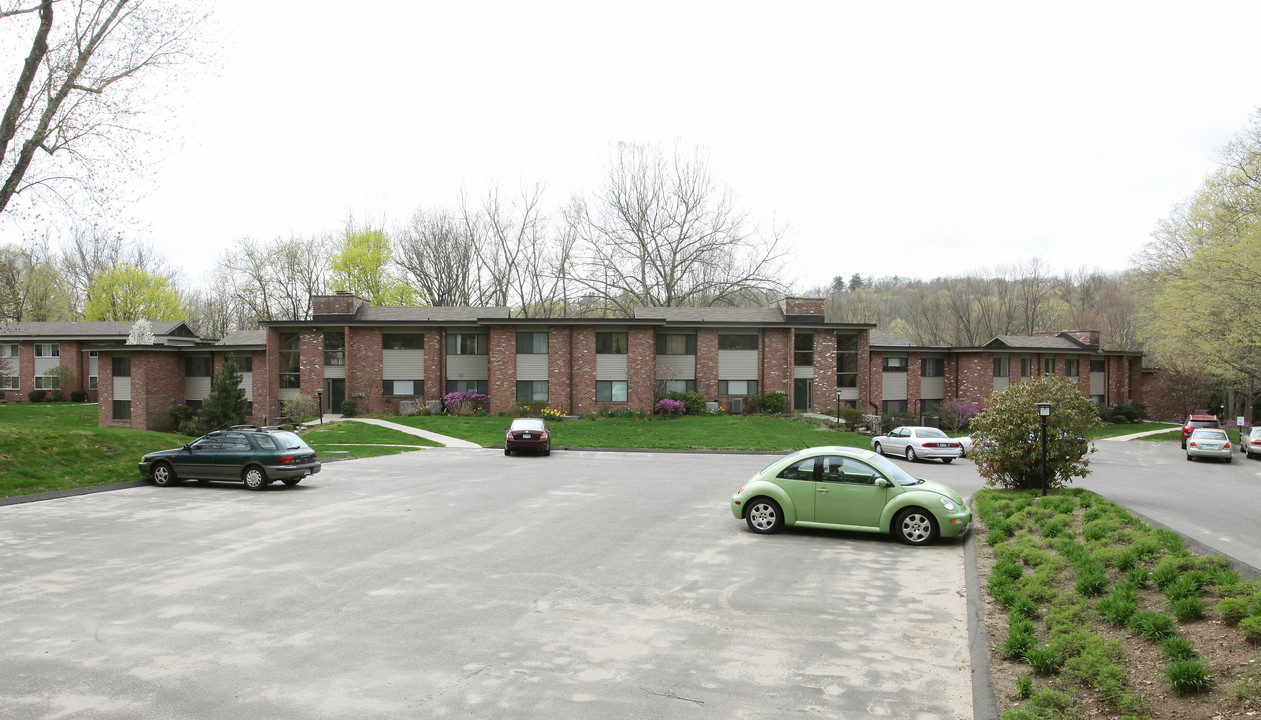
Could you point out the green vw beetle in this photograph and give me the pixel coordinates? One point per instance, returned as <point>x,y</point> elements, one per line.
<point>844,488</point>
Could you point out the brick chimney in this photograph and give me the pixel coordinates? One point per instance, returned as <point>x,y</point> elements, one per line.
<point>341,303</point>
<point>800,306</point>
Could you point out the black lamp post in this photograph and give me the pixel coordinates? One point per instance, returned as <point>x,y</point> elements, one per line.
<point>1044,411</point>
<point>838,407</point>
<point>319,398</point>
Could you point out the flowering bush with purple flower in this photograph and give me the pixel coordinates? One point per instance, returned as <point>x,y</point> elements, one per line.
<point>465,403</point>
<point>666,406</point>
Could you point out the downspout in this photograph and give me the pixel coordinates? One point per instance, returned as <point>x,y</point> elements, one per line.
<point>571,369</point>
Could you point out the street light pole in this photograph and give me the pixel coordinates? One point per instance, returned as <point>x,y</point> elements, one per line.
<point>1044,411</point>
<point>319,398</point>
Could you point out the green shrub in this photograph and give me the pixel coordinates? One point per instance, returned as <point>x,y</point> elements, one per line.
<point>1092,582</point>
<point>1138,576</point>
<point>350,408</point>
<point>1187,676</point>
<point>753,404</point>
<point>37,395</point>
<point>1117,611</point>
<point>298,408</point>
<point>78,396</point>
<point>1024,686</point>
<point>693,401</point>
<point>1233,609</point>
<point>530,408</point>
<point>1025,607</point>
<point>1188,608</point>
<point>1178,648</point>
<point>1018,643</point>
<point>1172,541</point>
<point>1166,573</point>
<point>1251,627</point>
<point>1043,660</point>
<point>775,402</point>
<point>1186,585</point>
<point>1152,625</point>
<point>1044,704</point>
<point>1008,567</point>
<point>853,417</point>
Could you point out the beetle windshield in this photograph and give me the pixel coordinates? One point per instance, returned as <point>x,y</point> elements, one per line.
<point>892,471</point>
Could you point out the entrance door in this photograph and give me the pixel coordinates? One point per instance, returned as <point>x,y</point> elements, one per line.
<point>335,391</point>
<point>803,390</point>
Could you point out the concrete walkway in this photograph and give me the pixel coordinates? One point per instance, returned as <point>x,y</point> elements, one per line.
<point>444,439</point>
<point>1145,433</point>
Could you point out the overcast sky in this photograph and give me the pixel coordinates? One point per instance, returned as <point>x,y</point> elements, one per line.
<point>913,138</point>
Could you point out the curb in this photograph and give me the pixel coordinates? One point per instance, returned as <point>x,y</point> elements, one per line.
<point>89,490</point>
<point>984,702</point>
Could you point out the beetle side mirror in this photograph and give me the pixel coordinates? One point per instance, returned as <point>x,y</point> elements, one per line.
<point>881,483</point>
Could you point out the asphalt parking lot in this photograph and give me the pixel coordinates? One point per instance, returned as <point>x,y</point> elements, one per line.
<point>464,583</point>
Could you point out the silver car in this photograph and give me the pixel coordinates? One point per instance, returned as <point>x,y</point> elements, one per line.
<point>1250,442</point>
<point>1210,443</point>
<point>915,443</point>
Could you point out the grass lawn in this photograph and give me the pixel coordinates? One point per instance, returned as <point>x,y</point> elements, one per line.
<point>57,446</point>
<point>752,432</point>
<point>1119,429</point>
<point>357,440</point>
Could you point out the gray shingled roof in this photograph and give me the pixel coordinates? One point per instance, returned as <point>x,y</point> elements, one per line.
<point>430,314</point>
<point>245,337</point>
<point>889,338</point>
<point>711,315</point>
<point>1039,342</point>
<point>84,329</point>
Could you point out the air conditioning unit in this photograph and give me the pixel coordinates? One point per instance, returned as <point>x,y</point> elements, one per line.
<point>737,406</point>
<point>711,407</point>
<point>434,406</point>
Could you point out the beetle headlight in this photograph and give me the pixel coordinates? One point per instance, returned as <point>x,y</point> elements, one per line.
<point>946,502</point>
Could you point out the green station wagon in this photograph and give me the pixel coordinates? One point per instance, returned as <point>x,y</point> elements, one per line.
<point>844,488</point>
<point>254,456</point>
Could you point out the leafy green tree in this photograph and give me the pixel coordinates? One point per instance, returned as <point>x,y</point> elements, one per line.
<point>226,404</point>
<point>362,266</point>
<point>1007,441</point>
<point>126,293</point>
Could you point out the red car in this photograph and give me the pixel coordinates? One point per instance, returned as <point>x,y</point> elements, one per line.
<point>1197,421</point>
<point>528,434</point>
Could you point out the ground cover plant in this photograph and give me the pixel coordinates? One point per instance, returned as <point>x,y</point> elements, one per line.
<point>687,432</point>
<point>1091,613</point>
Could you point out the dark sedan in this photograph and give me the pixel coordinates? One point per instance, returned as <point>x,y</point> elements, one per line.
<point>254,456</point>
<point>528,434</point>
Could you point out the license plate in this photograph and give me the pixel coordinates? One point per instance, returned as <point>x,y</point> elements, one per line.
<point>305,473</point>
<point>943,444</point>
<point>526,436</point>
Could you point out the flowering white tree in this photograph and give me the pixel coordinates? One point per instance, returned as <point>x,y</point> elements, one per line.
<point>141,333</point>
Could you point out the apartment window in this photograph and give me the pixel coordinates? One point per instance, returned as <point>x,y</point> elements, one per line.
<point>403,387</point>
<point>290,360</point>
<point>244,364</point>
<point>9,382</point>
<point>194,404</point>
<point>738,342</point>
<point>334,349</point>
<point>893,406</point>
<point>467,386</point>
<point>1097,365</point>
<point>1097,399</point>
<point>531,343</point>
<point>847,361</point>
<point>1048,366</point>
<point>122,409</point>
<point>197,367</point>
<point>611,343</point>
<point>932,367</point>
<point>1070,368</point>
<point>51,350</point>
<point>10,351</point>
<point>930,407</point>
<point>45,382</point>
<point>1001,367</point>
<point>94,353</point>
<point>610,390</point>
<point>680,344</point>
<point>803,350</point>
<point>665,387</point>
<point>1024,367</point>
<point>737,387</point>
<point>468,344</point>
<point>121,366</point>
<point>93,382</point>
<point>531,391</point>
<point>893,364</point>
<point>403,341</point>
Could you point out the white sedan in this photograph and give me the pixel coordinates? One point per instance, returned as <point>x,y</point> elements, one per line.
<point>914,443</point>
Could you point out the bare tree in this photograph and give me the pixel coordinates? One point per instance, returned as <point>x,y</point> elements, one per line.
<point>92,249</point>
<point>662,232</point>
<point>73,104</point>
<point>272,281</point>
<point>439,258</point>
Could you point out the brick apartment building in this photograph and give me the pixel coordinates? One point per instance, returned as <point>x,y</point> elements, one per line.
<point>380,356</point>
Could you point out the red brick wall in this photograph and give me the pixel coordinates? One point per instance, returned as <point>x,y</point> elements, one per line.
<point>801,306</point>
<point>1118,380</point>
<point>1136,380</point>
<point>501,368</point>
<point>157,383</point>
<point>105,392</point>
<point>1083,374</point>
<point>584,370</point>
<point>864,368</point>
<point>951,383</point>
<point>875,385</point>
<point>435,362</point>
<point>976,376</point>
<point>311,362</point>
<point>268,403</point>
<point>641,367</point>
<point>913,384</point>
<point>363,371</point>
<point>825,372</point>
<point>559,388</point>
<point>777,362</point>
<point>74,357</point>
<point>26,372</point>
<point>707,363</point>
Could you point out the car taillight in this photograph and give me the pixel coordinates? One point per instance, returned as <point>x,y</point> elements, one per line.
<point>285,459</point>
<point>542,436</point>
<point>508,436</point>
<point>1228,445</point>
<point>1192,443</point>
